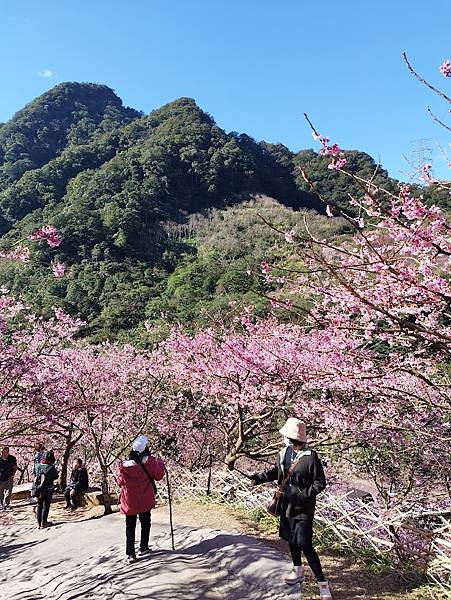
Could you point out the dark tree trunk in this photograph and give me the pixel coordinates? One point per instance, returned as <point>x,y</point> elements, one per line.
<point>70,443</point>
<point>106,491</point>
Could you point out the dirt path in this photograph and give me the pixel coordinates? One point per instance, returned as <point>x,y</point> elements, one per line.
<point>351,580</point>
<point>219,555</point>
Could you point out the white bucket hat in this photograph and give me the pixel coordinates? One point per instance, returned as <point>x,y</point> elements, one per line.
<point>294,429</point>
<point>139,445</point>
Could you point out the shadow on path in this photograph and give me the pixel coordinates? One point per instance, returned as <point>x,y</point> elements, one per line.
<point>11,550</point>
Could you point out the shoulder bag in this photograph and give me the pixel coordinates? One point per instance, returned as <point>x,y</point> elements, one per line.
<point>274,508</point>
<point>151,479</point>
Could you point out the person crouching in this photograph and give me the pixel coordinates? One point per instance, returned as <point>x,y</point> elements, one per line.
<point>136,478</point>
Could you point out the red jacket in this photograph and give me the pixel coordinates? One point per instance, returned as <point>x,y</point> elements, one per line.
<point>137,495</point>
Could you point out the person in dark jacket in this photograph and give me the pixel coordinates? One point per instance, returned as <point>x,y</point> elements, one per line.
<point>8,468</point>
<point>137,481</point>
<point>39,455</point>
<point>78,483</point>
<point>46,474</point>
<point>307,480</point>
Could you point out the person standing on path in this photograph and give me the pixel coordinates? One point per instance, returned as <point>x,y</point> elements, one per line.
<point>8,468</point>
<point>46,474</point>
<point>78,483</point>
<point>299,499</point>
<point>39,455</point>
<point>136,478</point>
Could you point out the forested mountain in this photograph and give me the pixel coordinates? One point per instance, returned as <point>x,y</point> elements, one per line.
<point>121,186</point>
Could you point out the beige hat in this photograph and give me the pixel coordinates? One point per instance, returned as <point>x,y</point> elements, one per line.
<point>294,429</point>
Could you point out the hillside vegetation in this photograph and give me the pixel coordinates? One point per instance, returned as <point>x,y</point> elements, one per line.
<point>154,210</point>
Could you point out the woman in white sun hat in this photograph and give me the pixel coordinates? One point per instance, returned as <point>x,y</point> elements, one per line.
<point>299,498</point>
<point>137,477</point>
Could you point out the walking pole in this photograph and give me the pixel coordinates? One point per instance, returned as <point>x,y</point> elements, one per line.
<point>170,507</point>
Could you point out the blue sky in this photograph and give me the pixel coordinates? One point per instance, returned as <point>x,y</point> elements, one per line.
<point>255,65</point>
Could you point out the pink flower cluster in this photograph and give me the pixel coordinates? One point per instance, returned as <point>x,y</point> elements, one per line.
<point>19,254</point>
<point>59,269</point>
<point>22,253</point>
<point>338,161</point>
<point>426,174</point>
<point>267,271</point>
<point>49,234</point>
<point>445,68</point>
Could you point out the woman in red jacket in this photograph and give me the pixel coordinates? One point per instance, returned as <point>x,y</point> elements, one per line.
<point>136,479</point>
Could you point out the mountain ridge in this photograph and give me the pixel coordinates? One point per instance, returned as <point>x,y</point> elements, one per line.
<point>109,178</point>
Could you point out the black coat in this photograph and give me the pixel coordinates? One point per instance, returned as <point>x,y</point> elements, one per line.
<point>50,474</point>
<point>306,482</point>
<point>79,479</point>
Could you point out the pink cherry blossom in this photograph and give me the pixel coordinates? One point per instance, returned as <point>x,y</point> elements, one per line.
<point>58,269</point>
<point>426,174</point>
<point>267,271</point>
<point>338,161</point>
<point>49,234</point>
<point>445,68</point>
<point>337,164</point>
<point>19,254</point>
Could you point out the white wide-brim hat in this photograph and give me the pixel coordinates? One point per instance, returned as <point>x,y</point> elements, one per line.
<point>294,429</point>
<point>139,445</point>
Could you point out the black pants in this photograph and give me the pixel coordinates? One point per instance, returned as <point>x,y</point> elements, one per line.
<point>72,500</point>
<point>304,533</point>
<point>130,527</point>
<point>43,507</point>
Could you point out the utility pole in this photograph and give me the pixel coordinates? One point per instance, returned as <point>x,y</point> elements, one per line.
<point>421,155</point>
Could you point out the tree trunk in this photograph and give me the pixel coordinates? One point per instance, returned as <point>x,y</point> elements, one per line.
<point>106,491</point>
<point>230,461</point>
<point>65,460</point>
<point>235,448</point>
<point>70,443</point>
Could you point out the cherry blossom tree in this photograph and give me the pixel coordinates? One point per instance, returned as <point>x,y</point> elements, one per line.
<point>367,367</point>
<point>387,288</point>
<point>26,344</point>
<point>112,394</point>
<point>230,386</point>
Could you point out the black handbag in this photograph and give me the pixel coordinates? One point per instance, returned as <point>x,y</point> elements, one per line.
<point>274,508</point>
<point>38,486</point>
